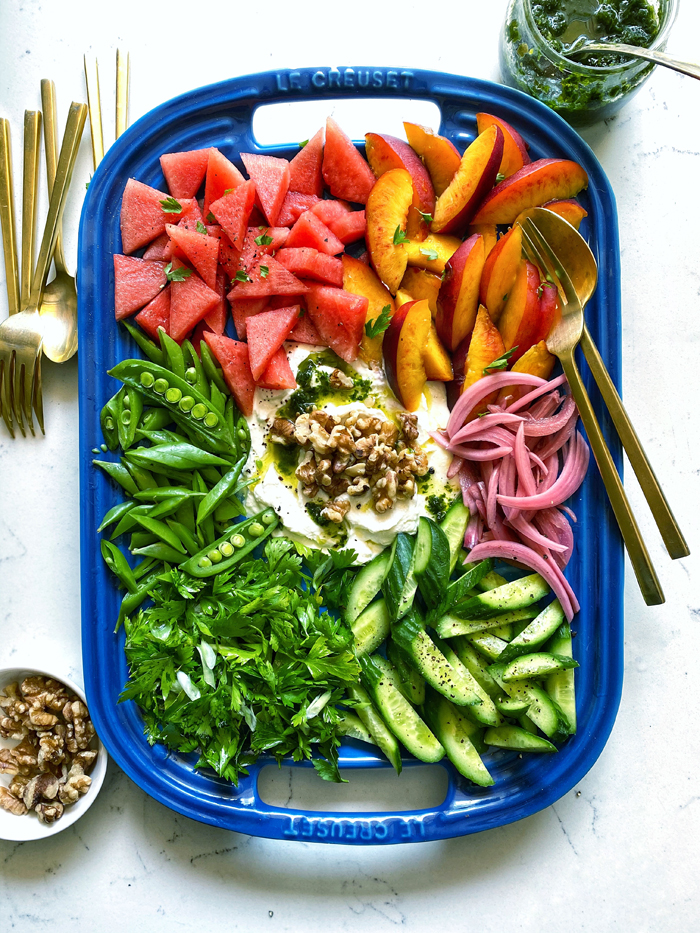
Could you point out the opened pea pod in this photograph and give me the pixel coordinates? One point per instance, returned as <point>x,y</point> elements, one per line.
<point>227,550</point>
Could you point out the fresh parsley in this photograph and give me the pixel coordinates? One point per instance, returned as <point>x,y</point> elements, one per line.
<point>171,206</point>
<point>263,240</point>
<point>264,271</point>
<point>377,326</point>
<point>177,275</point>
<point>242,276</point>
<point>201,228</point>
<point>428,218</point>
<point>499,178</point>
<point>399,236</point>
<point>430,253</point>
<point>500,363</point>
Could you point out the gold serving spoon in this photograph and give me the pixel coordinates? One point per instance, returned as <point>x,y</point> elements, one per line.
<point>634,51</point>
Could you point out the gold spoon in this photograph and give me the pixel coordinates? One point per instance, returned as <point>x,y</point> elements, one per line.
<point>568,250</point>
<point>635,51</point>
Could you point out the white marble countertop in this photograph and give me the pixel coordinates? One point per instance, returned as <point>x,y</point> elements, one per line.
<point>619,852</point>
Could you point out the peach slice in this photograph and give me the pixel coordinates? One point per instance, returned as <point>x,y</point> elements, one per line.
<point>569,209</point>
<point>439,155</point>
<point>436,359</point>
<point>458,299</point>
<point>360,279</point>
<point>475,177</point>
<point>485,346</point>
<point>404,346</point>
<point>453,389</point>
<point>419,283</point>
<point>537,361</point>
<point>387,213</point>
<point>499,272</point>
<point>402,298</point>
<point>387,152</point>
<point>520,322</point>
<point>433,252</point>
<point>534,185</point>
<point>514,147</point>
<point>488,231</point>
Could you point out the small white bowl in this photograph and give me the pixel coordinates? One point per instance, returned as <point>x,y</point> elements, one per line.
<point>28,827</point>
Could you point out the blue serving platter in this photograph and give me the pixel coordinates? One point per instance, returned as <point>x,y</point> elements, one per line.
<point>221,115</point>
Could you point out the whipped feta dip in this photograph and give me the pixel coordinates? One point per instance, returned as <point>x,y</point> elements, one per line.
<point>363,529</point>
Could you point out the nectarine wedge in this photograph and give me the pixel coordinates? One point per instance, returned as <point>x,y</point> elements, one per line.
<point>534,185</point>
<point>433,252</point>
<point>439,155</point>
<point>537,361</point>
<point>405,341</point>
<point>477,171</point>
<point>436,359</point>
<point>485,346</point>
<point>499,272</point>
<point>520,322</point>
<point>488,231</point>
<point>386,152</point>
<point>514,148</point>
<point>387,213</point>
<point>458,298</point>
<point>569,209</point>
<point>360,279</point>
<point>419,283</point>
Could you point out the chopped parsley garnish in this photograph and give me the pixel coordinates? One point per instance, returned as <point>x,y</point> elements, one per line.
<point>428,218</point>
<point>201,228</point>
<point>264,271</point>
<point>430,253</point>
<point>263,240</point>
<point>500,363</point>
<point>171,206</point>
<point>177,275</point>
<point>377,326</point>
<point>500,177</point>
<point>242,276</point>
<point>399,236</point>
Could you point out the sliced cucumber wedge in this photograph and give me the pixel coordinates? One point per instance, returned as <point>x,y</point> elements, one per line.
<point>516,595</point>
<point>351,725</point>
<point>517,738</point>
<point>536,633</point>
<point>400,584</point>
<point>411,683</point>
<point>366,585</point>
<point>376,726</point>
<point>477,666</point>
<point>484,712</point>
<point>450,624</point>
<point>371,627</point>
<point>431,563</point>
<point>560,686</point>
<point>454,525</point>
<point>535,666</point>
<point>457,735</point>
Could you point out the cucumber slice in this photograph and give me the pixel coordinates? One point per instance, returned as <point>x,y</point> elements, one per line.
<point>411,683</point>
<point>491,646</point>
<point>510,706</point>
<point>367,584</point>
<point>371,627</point>
<point>504,632</point>
<point>490,581</point>
<point>426,657</point>
<point>376,726</point>
<point>537,665</point>
<point>536,633</point>
<point>351,725</point>
<point>516,595</point>
<point>543,711</point>
<point>455,732</point>
<point>517,738</point>
<point>450,624</point>
<point>485,713</point>
<point>463,588</point>
<point>454,524</point>
<point>397,712</point>
<point>560,686</point>
<point>399,586</point>
<point>431,562</point>
<point>527,724</point>
<point>476,666</point>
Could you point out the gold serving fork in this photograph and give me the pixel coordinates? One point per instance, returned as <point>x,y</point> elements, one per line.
<point>92,82</point>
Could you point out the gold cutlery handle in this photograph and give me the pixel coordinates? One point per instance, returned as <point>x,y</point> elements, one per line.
<point>30,183</point>
<point>48,107</point>
<point>64,172</point>
<point>638,554</point>
<point>7,218</point>
<point>660,509</point>
<point>122,114</point>
<point>92,82</point>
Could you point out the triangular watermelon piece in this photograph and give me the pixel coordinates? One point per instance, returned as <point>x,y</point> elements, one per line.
<point>142,218</point>
<point>328,210</point>
<point>233,359</point>
<point>221,175</point>
<point>350,227</point>
<point>184,171</point>
<point>229,256</point>
<point>268,277</point>
<point>155,250</point>
<point>305,168</point>
<point>252,252</point>
<point>189,215</point>
<point>345,171</point>
<point>156,314</point>
<point>309,263</point>
<point>339,318</point>
<point>136,282</point>
<point>191,300</point>
<point>310,231</point>
<point>233,210</point>
<point>271,177</point>
<point>216,318</point>
<point>242,309</point>
<point>201,250</point>
<point>294,206</point>
<point>278,373</point>
<point>266,334</point>
<point>305,332</point>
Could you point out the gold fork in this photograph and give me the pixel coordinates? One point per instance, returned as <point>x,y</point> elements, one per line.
<point>20,334</point>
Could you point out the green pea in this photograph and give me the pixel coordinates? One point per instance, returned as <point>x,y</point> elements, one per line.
<point>255,530</point>
<point>160,386</point>
<point>173,395</point>
<point>211,419</point>
<point>204,562</point>
<point>242,434</point>
<point>269,517</point>
<point>126,401</point>
<point>109,424</point>
<point>147,379</point>
<point>214,556</point>
<point>191,375</point>
<point>199,411</point>
<point>237,540</point>
<point>125,417</point>
<point>226,549</point>
<point>186,403</point>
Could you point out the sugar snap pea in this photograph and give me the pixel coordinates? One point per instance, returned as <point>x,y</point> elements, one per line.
<point>116,513</point>
<point>214,374</point>
<point>132,601</point>
<point>218,399</point>
<point>192,545</point>
<point>155,419</point>
<point>129,415</point>
<point>144,567</point>
<point>119,474</point>
<point>119,565</point>
<point>168,492</point>
<point>226,551</point>
<point>220,492</point>
<point>143,478</point>
<point>181,456</point>
<point>194,373</point>
<point>185,515</point>
<point>173,357</point>
<point>109,419</point>
<point>161,551</point>
<point>162,531</point>
<point>163,436</point>
<point>154,353</point>
<point>141,539</point>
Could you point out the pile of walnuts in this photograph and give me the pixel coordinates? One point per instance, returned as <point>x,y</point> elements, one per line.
<point>49,768</point>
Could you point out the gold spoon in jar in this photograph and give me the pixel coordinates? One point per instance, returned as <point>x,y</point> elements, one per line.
<point>635,51</point>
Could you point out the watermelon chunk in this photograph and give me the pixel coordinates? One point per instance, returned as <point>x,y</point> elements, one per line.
<point>305,168</point>
<point>242,309</point>
<point>136,282</point>
<point>266,334</point>
<point>276,281</point>
<point>190,301</point>
<point>252,252</point>
<point>156,314</point>
<point>278,373</point>
<point>201,250</point>
<point>339,318</point>
<point>216,318</point>
<point>294,206</point>
<point>189,215</point>
<point>271,177</point>
<point>310,231</point>
<point>155,250</point>
<point>233,210</point>
<point>232,356</point>
<point>309,263</point>
<point>345,171</point>
<point>142,218</point>
<point>198,333</point>
<point>350,227</point>
<point>305,332</point>
<point>184,171</point>
<point>221,175</point>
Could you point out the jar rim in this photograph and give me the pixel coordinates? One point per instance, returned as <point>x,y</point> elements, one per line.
<point>668,10</point>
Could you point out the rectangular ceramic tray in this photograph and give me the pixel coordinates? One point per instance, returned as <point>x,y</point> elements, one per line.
<point>221,115</point>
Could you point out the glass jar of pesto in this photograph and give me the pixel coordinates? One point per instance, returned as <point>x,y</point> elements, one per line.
<point>538,34</point>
